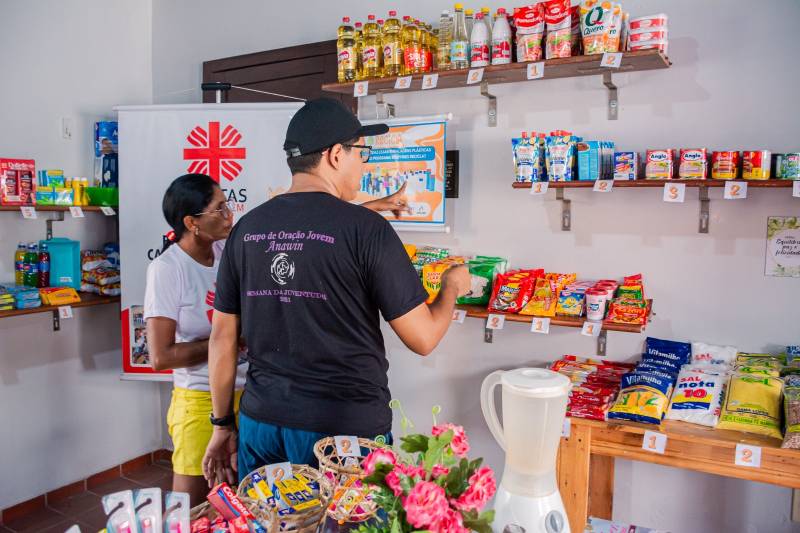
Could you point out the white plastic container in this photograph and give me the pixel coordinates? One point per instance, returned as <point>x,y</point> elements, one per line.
<point>501,39</point>
<point>479,42</point>
<point>596,304</point>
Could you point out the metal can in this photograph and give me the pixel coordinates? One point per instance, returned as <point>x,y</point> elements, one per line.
<point>790,166</point>
<point>693,164</point>
<point>775,167</point>
<point>725,165</point>
<point>755,164</point>
<point>659,164</point>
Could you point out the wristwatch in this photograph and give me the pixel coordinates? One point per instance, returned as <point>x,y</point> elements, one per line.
<point>228,420</point>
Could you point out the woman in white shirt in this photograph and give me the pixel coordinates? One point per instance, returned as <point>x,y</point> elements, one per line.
<point>178,305</point>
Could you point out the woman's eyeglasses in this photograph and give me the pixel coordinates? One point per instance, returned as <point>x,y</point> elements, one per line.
<point>226,210</point>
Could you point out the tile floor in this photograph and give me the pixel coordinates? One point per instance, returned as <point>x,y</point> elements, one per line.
<point>84,509</point>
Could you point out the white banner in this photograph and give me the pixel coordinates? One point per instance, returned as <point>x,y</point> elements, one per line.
<point>239,145</point>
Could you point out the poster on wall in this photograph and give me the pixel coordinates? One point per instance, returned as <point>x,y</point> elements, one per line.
<point>239,145</point>
<point>783,247</point>
<point>411,153</point>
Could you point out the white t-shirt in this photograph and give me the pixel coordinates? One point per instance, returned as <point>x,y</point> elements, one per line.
<point>180,288</point>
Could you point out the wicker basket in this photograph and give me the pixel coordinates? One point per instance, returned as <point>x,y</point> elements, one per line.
<point>265,515</point>
<point>347,479</point>
<point>307,521</point>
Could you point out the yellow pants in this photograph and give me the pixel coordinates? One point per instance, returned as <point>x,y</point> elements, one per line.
<point>190,428</point>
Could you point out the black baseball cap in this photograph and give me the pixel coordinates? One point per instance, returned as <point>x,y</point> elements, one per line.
<point>323,122</point>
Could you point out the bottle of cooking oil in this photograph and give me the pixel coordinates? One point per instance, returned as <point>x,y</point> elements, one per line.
<point>371,52</point>
<point>424,42</point>
<point>445,36</point>
<point>359,37</point>
<point>392,49</point>
<point>435,48</point>
<point>411,47</point>
<point>346,52</point>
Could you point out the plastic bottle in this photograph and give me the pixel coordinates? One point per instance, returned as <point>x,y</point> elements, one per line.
<point>19,264</point>
<point>411,47</point>
<point>435,48</point>
<point>32,266</point>
<point>469,20</point>
<point>487,17</point>
<point>424,44</point>
<point>371,50</point>
<point>460,42</point>
<point>501,39</point>
<point>359,37</point>
<point>445,37</point>
<point>392,49</point>
<point>479,43</point>
<point>84,192</point>
<point>44,267</point>
<point>430,59</point>
<point>346,52</point>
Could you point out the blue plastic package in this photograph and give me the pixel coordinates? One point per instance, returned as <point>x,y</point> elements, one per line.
<point>679,352</point>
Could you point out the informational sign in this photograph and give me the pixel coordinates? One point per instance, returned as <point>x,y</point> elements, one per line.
<point>412,154</point>
<point>239,145</point>
<point>783,247</point>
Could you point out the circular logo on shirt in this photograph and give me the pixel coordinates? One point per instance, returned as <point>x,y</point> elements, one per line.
<point>282,269</point>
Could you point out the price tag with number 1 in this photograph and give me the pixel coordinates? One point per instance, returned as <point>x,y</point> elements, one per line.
<point>459,315</point>
<point>591,329</point>
<point>655,442</point>
<point>540,325</point>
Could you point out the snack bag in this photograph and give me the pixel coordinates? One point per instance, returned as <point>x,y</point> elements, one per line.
<point>615,30</point>
<point>697,398</point>
<point>764,360</point>
<point>627,311</point>
<point>559,28</point>
<point>529,21</point>
<point>482,273</point>
<point>791,411</point>
<point>571,303</point>
<point>544,299</point>
<point>643,398</point>
<point>596,19</point>
<point>513,290</point>
<point>432,279</point>
<point>753,404</point>
<point>703,353</point>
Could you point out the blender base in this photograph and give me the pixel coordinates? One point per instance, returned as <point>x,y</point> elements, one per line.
<point>529,514</point>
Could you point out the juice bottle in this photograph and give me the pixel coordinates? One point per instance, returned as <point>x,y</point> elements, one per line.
<point>359,36</point>
<point>44,267</point>
<point>32,266</point>
<point>19,264</point>
<point>460,42</point>
<point>392,49</point>
<point>445,36</point>
<point>346,52</point>
<point>371,52</point>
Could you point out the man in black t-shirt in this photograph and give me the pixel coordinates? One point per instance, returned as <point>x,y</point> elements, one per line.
<point>303,279</point>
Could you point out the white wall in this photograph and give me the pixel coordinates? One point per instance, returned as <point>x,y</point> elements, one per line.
<point>65,413</point>
<point>729,88</point>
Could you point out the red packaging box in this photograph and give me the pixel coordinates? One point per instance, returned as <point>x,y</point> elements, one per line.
<point>17,182</point>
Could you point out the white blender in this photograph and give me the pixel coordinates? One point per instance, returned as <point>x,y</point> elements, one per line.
<point>534,407</point>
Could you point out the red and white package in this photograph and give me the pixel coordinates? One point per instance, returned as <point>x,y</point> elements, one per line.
<point>529,21</point>
<point>651,21</point>
<point>559,28</point>
<point>17,182</point>
<point>662,46</point>
<point>649,35</point>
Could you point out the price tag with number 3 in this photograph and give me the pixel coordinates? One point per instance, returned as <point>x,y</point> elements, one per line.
<point>675,192</point>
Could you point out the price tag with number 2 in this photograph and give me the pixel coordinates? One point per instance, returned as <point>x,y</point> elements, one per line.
<point>747,455</point>
<point>539,188</point>
<point>735,190</point>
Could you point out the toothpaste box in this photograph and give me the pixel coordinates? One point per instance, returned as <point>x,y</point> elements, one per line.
<point>626,165</point>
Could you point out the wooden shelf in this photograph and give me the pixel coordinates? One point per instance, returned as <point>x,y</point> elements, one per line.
<point>643,183</point>
<point>586,460</point>
<point>568,67</point>
<point>477,311</point>
<point>87,300</point>
<point>56,208</point>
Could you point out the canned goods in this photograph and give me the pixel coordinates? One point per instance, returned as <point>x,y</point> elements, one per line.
<point>790,166</point>
<point>693,164</point>
<point>658,164</point>
<point>725,165</point>
<point>775,167</point>
<point>755,164</point>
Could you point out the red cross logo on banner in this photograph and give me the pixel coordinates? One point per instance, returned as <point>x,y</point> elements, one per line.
<point>215,153</point>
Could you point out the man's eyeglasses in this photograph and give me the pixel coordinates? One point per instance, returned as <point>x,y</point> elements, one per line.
<point>226,210</point>
<point>366,151</point>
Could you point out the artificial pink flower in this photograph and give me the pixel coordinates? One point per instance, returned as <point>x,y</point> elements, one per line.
<point>452,522</point>
<point>459,444</point>
<point>482,487</point>
<point>439,471</point>
<point>376,457</point>
<point>393,482</point>
<point>412,471</point>
<point>425,505</point>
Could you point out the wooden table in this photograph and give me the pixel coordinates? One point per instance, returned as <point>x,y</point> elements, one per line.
<point>586,460</point>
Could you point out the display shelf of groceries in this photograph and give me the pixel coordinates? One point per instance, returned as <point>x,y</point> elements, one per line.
<point>56,208</point>
<point>567,67</point>
<point>695,447</point>
<point>652,183</point>
<point>87,300</point>
<point>477,311</point>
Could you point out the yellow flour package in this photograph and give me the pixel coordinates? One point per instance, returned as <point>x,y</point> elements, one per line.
<point>753,404</point>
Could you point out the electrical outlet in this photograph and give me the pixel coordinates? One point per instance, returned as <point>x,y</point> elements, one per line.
<point>67,125</point>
